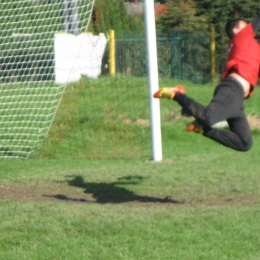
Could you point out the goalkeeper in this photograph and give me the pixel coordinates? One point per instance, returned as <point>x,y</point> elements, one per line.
<point>238,83</point>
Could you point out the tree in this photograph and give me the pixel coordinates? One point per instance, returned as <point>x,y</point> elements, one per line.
<point>218,12</point>
<point>199,14</point>
<point>181,15</point>
<point>112,15</point>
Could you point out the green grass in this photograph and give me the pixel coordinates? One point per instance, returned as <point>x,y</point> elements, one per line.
<point>201,202</point>
<point>51,231</point>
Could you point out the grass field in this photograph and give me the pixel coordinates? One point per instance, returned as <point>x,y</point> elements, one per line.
<point>201,202</point>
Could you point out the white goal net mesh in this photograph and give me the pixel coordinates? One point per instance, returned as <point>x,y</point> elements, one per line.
<point>40,41</point>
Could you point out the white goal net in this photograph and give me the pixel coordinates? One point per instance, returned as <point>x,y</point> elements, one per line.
<point>40,41</point>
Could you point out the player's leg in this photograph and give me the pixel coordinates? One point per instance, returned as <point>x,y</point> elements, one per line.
<point>226,103</point>
<point>239,136</point>
<point>169,92</point>
<point>226,94</point>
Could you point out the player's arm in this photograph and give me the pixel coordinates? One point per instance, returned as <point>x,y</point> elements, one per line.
<point>256,24</point>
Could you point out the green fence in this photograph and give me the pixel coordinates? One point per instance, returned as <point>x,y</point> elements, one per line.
<point>181,55</point>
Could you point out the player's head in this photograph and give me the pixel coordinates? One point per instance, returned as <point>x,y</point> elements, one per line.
<point>234,26</point>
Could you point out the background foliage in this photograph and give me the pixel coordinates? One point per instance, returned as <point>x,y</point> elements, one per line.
<point>112,14</point>
<point>181,16</point>
<point>194,16</point>
<point>187,14</point>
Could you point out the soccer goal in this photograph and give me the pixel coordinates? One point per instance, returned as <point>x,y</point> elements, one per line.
<point>40,41</point>
<point>73,80</point>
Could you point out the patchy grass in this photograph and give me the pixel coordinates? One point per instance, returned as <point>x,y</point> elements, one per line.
<point>201,202</point>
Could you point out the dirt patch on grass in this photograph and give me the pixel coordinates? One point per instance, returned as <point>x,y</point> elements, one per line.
<point>44,193</point>
<point>61,193</point>
<point>254,121</point>
<point>139,121</point>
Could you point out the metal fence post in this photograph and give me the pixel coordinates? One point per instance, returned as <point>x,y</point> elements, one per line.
<point>213,53</point>
<point>112,53</point>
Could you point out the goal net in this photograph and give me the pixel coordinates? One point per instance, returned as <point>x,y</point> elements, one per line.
<point>67,87</point>
<point>34,36</point>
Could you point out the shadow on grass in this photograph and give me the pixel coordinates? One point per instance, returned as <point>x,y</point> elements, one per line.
<point>111,192</point>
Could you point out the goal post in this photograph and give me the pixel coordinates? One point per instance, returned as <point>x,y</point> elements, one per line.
<point>153,80</point>
<point>64,93</point>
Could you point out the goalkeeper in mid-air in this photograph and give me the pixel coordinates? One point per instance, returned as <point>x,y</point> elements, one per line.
<point>238,83</point>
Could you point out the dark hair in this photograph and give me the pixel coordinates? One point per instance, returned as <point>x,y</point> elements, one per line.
<point>230,25</point>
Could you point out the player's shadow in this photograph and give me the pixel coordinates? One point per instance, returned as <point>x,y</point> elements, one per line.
<point>113,192</point>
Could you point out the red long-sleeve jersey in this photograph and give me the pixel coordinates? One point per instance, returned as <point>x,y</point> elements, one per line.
<point>244,56</point>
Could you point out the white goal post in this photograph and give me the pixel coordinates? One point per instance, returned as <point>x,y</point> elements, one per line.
<point>153,81</point>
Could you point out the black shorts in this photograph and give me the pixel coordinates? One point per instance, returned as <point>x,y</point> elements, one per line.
<point>226,104</point>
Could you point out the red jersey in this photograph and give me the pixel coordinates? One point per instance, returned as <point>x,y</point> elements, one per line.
<point>244,56</point>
